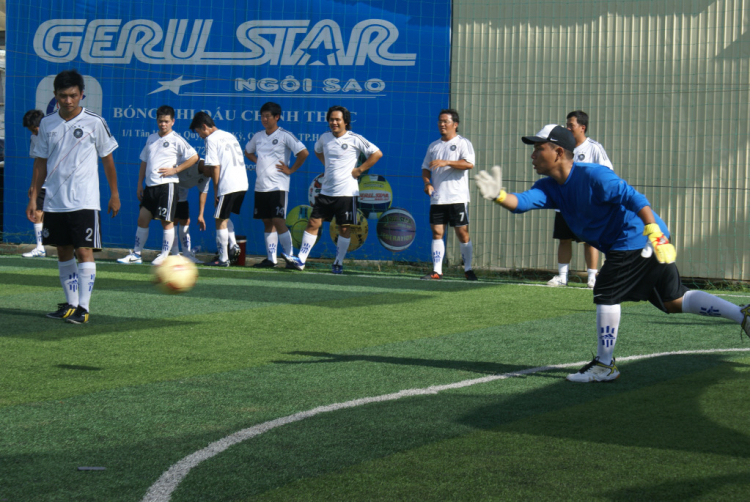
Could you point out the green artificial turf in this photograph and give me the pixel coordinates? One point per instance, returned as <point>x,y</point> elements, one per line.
<point>154,378</point>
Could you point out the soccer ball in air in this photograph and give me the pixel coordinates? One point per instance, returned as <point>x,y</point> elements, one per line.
<point>175,275</point>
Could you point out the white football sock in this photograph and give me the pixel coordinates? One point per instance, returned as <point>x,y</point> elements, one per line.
<point>166,243</point>
<point>86,277</point>
<point>438,250</point>
<point>222,239</point>
<point>607,325</point>
<point>232,239</point>
<point>38,232</point>
<point>285,240</point>
<point>467,250</point>
<point>185,238</point>
<point>272,242</point>
<point>141,235</point>
<point>700,303</point>
<point>341,248</point>
<point>69,279</point>
<point>562,271</point>
<point>591,273</point>
<point>308,241</point>
<point>175,245</point>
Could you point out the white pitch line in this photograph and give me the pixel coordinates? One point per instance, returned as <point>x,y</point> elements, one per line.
<point>162,490</point>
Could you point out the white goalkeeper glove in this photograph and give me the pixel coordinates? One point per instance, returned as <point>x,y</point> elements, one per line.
<point>491,185</point>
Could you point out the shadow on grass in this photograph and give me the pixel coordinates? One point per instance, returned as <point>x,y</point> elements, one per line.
<point>684,489</point>
<point>481,367</point>
<point>656,405</point>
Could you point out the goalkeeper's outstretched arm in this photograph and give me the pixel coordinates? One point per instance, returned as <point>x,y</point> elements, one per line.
<point>491,187</point>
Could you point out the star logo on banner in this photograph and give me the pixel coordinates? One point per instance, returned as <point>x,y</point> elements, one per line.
<point>173,85</point>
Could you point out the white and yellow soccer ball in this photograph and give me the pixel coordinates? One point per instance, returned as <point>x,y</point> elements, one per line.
<point>175,275</point>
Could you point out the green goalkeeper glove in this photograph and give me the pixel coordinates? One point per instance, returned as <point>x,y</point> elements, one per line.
<point>491,185</point>
<point>659,244</point>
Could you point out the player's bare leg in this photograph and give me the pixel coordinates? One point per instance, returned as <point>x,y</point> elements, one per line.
<point>591,254</point>
<point>564,255</point>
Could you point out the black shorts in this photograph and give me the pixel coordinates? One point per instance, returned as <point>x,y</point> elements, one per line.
<point>183,210</point>
<point>628,277</point>
<point>456,214</point>
<point>79,229</point>
<point>270,205</point>
<point>562,231</point>
<point>229,203</point>
<point>344,209</point>
<point>40,199</point>
<point>161,201</point>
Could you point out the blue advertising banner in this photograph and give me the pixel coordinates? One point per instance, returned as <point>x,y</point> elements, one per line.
<point>388,62</point>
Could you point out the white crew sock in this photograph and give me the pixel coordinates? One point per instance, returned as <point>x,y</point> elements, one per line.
<point>141,235</point>
<point>175,245</point>
<point>607,325</point>
<point>69,280</point>
<point>341,248</point>
<point>38,232</point>
<point>166,243</point>
<point>308,241</point>
<point>562,271</point>
<point>232,239</point>
<point>591,273</point>
<point>86,277</point>
<point>700,303</point>
<point>285,240</point>
<point>272,242</point>
<point>185,238</point>
<point>467,250</point>
<point>222,238</point>
<point>438,251</point>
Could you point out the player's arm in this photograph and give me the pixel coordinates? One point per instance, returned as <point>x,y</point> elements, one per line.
<point>37,180</point>
<point>171,171</point>
<point>141,177</point>
<point>427,179</point>
<point>201,206</point>
<point>253,158</point>
<point>366,165</point>
<point>321,157</point>
<point>461,165</point>
<point>111,173</point>
<point>215,170</point>
<point>300,159</point>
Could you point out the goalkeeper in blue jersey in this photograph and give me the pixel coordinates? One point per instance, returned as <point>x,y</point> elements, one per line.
<point>604,211</point>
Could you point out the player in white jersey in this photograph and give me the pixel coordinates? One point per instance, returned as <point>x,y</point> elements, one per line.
<point>445,172</point>
<point>70,141</point>
<point>225,162</point>
<point>338,150</point>
<point>589,151</point>
<point>31,120</point>
<point>164,149</point>
<point>271,150</point>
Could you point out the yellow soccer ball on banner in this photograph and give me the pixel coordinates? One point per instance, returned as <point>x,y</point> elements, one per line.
<point>175,275</point>
<point>375,195</point>
<point>296,221</point>
<point>358,233</point>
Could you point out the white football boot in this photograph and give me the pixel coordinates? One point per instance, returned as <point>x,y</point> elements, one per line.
<point>595,372</point>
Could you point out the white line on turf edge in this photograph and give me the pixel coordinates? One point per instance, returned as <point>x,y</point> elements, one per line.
<point>162,490</point>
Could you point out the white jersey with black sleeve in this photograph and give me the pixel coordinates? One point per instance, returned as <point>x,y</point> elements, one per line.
<point>451,185</point>
<point>72,149</point>
<point>164,151</point>
<point>222,149</point>
<point>341,155</point>
<point>592,152</point>
<point>190,178</point>
<point>270,149</point>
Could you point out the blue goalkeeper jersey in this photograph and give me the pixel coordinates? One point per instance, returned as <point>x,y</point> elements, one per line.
<point>598,206</point>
